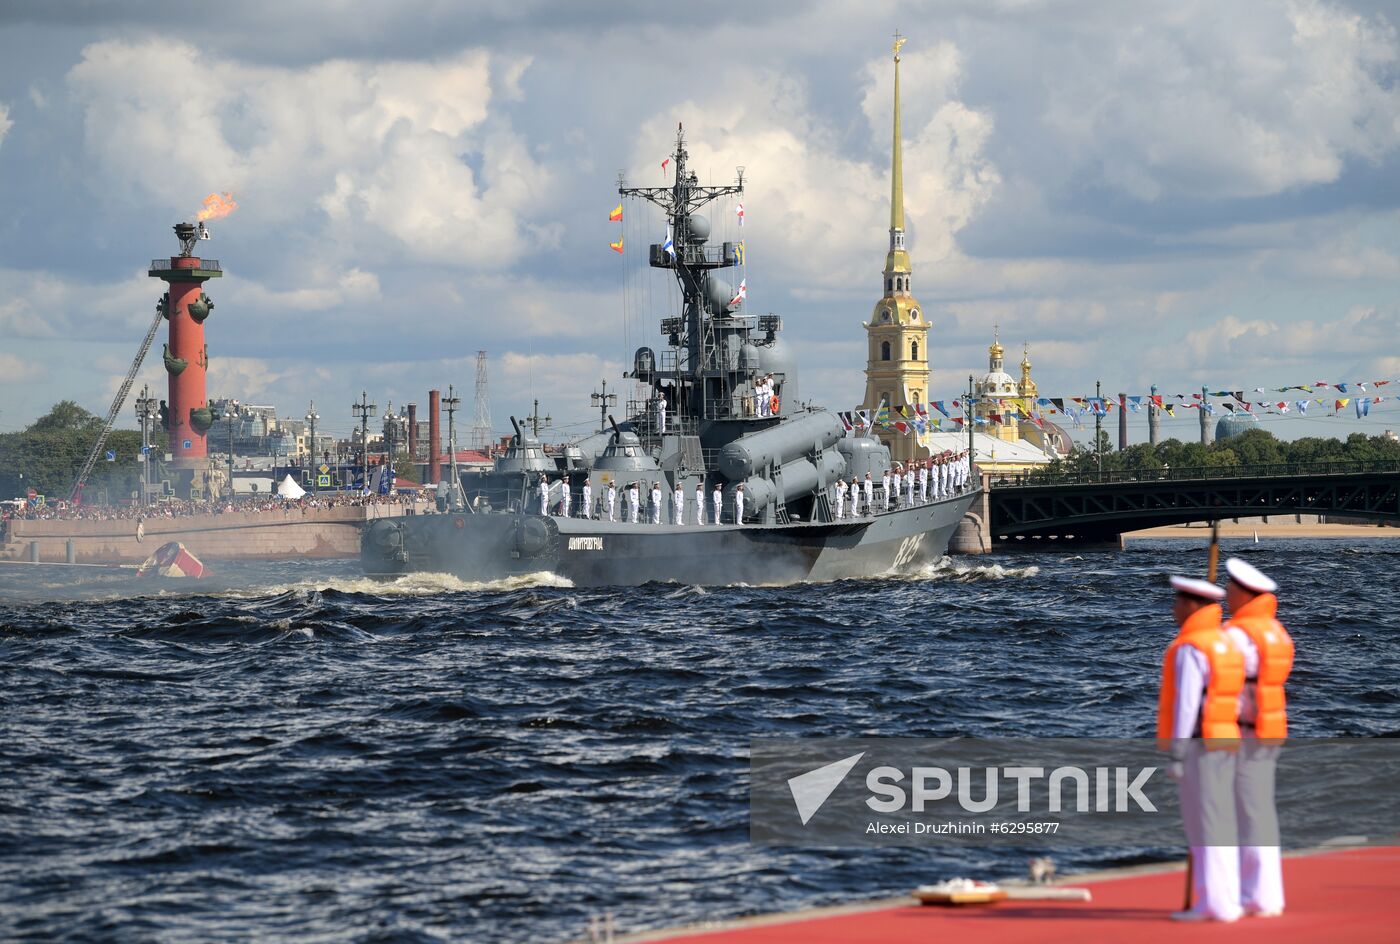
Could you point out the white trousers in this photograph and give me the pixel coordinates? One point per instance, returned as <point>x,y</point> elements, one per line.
<point>1261,866</point>
<point>1207,792</point>
<point>719,511</point>
<point>699,509</point>
<point>612,508</point>
<point>840,507</point>
<point>634,507</point>
<point>678,510</point>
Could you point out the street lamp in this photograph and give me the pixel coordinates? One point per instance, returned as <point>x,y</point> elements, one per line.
<point>389,425</point>
<point>146,409</point>
<point>231,409</point>
<point>311,417</point>
<point>602,401</point>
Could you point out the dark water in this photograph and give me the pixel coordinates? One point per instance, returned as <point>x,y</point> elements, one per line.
<point>322,758</point>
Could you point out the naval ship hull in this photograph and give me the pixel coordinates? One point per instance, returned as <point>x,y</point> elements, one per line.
<point>494,546</point>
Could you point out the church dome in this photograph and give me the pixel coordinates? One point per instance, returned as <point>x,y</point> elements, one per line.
<point>999,381</point>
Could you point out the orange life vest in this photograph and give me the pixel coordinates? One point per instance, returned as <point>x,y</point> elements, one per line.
<point>1220,705</point>
<point>1275,647</point>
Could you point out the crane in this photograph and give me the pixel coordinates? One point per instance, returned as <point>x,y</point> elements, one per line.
<point>117,402</point>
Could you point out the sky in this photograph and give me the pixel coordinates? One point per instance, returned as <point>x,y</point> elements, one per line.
<point>1185,194</point>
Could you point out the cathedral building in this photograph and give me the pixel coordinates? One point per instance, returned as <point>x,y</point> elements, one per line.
<point>896,372</point>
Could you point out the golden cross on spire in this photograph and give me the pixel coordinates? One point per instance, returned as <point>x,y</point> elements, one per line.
<point>898,42</point>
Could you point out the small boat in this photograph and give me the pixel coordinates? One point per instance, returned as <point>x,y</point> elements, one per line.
<point>172,559</point>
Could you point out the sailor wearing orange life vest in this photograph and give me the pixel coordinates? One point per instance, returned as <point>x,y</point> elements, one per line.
<point>1202,678</point>
<point>1268,658</point>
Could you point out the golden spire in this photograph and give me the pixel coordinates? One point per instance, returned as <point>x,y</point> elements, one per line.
<point>897,177</point>
<point>996,350</point>
<point>1026,357</point>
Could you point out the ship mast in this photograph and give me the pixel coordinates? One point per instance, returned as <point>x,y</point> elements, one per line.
<point>701,378</point>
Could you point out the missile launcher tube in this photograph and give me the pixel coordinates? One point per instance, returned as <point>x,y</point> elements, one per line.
<point>800,478</point>
<point>779,445</point>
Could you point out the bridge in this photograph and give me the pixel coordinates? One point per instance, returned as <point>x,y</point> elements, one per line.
<point>1096,507</point>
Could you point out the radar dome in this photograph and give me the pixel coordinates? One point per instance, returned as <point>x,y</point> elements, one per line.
<point>718,293</point>
<point>699,228</point>
<point>1234,424</point>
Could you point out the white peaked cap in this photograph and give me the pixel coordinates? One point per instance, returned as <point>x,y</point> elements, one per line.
<point>1248,576</point>
<point>1197,588</point>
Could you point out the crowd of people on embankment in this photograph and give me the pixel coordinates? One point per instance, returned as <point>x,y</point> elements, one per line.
<point>175,508</point>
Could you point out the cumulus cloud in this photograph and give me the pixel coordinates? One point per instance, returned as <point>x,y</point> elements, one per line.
<point>397,149</point>
<point>817,213</point>
<point>5,123</point>
<point>1239,99</point>
<point>15,369</point>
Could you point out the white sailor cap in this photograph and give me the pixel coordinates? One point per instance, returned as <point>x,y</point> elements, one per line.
<point>1248,576</point>
<point>1197,588</point>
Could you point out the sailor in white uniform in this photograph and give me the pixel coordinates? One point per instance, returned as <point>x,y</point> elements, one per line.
<point>566,496</point>
<point>909,487</point>
<point>699,503</point>
<point>923,481</point>
<point>655,502</point>
<point>678,505</point>
<point>869,494</point>
<point>1188,714</point>
<point>718,498</point>
<point>739,504</point>
<point>544,495</point>
<point>612,501</point>
<point>1261,870</point>
<point>587,498</point>
<point>634,502</point>
<point>885,489</point>
<point>840,499</point>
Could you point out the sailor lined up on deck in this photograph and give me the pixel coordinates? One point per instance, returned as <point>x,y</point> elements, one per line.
<point>587,498</point>
<point>612,501</point>
<point>678,504</point>
<point>634,502</point>
<point>699,503</point>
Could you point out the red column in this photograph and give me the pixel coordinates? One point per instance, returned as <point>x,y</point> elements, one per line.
<point>187,384</point>
<point>434,437</point>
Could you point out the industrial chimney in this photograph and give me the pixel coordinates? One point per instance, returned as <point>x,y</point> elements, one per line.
<point>434,437</point>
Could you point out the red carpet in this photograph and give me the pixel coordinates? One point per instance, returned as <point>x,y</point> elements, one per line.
<point>1336,898</point>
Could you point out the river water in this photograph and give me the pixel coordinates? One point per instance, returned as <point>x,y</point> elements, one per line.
<point>296,752</point>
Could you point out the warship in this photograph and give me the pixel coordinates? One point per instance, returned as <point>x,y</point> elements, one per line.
<point>698,418</point>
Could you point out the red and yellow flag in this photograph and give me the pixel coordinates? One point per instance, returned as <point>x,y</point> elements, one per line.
<point>616,215</point>
<point>617,246</point>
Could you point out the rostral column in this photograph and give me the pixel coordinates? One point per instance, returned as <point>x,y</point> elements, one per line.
<point>186,415</point>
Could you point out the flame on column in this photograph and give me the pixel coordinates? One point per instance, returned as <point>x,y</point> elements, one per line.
<point>216,207</point>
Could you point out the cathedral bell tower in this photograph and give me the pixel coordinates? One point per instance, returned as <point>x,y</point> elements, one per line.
<point>896,371</point>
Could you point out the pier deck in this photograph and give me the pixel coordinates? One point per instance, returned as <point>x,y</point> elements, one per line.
<point>1351,895</point>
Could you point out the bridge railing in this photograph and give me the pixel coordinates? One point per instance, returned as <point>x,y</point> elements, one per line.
<point>1192,473</point>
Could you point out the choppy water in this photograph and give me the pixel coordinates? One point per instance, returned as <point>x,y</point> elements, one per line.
<point>306,754</point>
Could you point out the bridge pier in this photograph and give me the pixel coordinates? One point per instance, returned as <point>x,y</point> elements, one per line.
<point>974,533</point>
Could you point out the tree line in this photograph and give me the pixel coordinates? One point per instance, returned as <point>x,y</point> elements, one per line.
<point>48,454</point>
<point>1250,448</point>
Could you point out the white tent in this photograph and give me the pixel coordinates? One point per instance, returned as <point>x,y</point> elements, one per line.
<point>290,489</point>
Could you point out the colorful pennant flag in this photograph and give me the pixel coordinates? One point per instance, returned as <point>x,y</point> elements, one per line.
<point>616,215</point>
<point>617,246</point>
